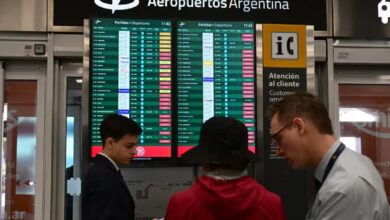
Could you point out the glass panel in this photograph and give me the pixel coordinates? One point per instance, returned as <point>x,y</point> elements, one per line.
<point>365,124</point>
<point>19,148</point>
<point>73,141</point>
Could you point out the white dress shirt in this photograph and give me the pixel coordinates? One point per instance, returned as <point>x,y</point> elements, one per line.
<point>353,189</point>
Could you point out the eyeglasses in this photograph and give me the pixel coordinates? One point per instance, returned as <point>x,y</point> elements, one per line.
<point>276,137</point>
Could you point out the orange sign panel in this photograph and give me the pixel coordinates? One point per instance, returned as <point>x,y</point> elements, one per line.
<point>284,46</point>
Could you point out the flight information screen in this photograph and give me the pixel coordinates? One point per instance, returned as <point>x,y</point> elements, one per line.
<point>215,77</point>
<point>130,74</point>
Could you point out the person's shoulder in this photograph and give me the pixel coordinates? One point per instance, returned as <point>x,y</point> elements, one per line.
<point>269,196</point>
<point>356,193</point>
<point>99,169</point>
<point>182,198</point>
<point>354,161</point>
<point>184,194</point>
<point>179,203</point>
<point>264,194</point>
<point>354,167</point>
<point>340,180</point>
<point>268,202</point>
<point>345,184</point>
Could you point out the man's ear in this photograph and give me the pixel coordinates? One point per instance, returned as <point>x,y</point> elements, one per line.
<point>300,124</point>
<point>108,143</point>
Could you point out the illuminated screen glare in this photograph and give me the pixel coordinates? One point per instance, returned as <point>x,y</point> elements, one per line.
<point>215,77</point>
<point>131,75</point>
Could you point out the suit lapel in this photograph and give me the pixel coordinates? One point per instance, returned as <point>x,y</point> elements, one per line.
<point>123,183</point>
<point>101,159</point>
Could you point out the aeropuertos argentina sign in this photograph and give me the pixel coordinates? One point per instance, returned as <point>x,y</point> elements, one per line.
<point>309,12</point>
<point>244,5</point>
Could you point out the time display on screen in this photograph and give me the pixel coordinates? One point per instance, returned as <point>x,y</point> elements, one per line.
<point>130,74</point>
<point>215,77</point>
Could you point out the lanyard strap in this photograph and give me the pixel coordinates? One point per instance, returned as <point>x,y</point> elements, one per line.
<point>332,160</point>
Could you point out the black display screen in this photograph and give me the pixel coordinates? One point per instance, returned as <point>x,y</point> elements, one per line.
<point>170,77</point>
<point>131,75</point>
<point>215,77</point>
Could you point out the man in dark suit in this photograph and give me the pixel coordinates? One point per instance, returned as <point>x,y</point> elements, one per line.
<point>105,194</point>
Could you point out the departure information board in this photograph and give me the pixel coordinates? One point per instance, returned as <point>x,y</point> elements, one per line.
<point>130,74</point>
<point>215,77</point>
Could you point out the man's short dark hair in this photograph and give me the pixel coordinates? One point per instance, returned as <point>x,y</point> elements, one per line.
<point>305,105</point>
<point>116,126</point>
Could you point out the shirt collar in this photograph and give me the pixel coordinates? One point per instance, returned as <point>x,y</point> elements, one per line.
<point>113,163</point>
<point>320,170</point>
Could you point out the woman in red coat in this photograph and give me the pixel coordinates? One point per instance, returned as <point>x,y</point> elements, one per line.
<point>224,191</point>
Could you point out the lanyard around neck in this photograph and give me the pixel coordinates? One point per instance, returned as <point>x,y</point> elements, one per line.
<point>332,161</point>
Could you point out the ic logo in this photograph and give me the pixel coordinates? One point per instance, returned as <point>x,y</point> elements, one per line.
<point>384,11</point>
<point>116,5</point>
<point>284,46</point>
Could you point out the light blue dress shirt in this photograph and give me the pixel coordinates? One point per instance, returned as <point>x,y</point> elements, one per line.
<point>353,189</point>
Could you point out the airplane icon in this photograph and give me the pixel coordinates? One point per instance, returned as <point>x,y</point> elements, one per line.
<point>116,5</point>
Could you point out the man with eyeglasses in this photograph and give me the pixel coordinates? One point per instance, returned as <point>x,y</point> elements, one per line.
<point>349,185</point>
